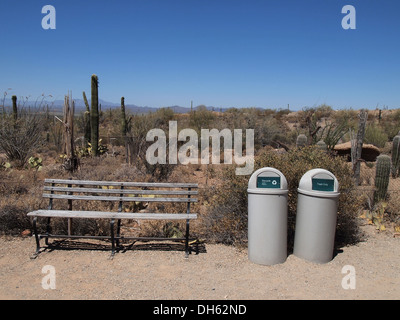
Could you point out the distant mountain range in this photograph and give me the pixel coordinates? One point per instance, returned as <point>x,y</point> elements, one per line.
<point>80,105</point>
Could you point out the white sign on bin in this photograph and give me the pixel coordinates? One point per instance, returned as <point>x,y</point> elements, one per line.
<point>319,182</point>
<point>267,178</point>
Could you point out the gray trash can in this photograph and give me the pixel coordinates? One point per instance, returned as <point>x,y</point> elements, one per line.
<point>267,217</point>
<point>316,216</point>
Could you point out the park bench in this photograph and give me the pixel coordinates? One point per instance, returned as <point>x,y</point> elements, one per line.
<point>118,193</point>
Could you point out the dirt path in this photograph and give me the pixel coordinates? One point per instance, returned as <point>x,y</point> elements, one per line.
<point>219,272</point>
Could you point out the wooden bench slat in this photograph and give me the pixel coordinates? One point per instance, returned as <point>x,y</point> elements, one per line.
<point>112,215</point>
<point>120,191</point>
<point>125,184</point>
<point>110,198</point>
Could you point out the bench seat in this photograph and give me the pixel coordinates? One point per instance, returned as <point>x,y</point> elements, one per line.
<point>111,215</point>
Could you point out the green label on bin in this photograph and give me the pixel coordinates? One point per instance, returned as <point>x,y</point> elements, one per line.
<point>269,182</point>
<point>323,184</point>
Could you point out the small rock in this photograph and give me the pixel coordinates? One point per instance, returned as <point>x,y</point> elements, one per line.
<point>26,233</point>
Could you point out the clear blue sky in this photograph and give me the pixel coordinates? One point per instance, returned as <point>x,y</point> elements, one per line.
<point>222,53</point>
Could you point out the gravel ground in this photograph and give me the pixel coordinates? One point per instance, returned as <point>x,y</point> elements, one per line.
<point>147,271</point>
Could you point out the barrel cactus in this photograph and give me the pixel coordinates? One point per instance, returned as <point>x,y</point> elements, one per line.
<point>322,145</point>
<point>383,166</point>
<point>301,140</point>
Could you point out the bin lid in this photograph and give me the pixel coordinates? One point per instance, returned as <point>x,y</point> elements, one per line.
<point>319,183</point>
<point>267,181</point>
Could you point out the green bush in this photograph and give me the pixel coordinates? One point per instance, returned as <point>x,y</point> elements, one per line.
<point>201,118</point>
<point>226,218</point>
<point>21,138</point>
<point>376,136</point>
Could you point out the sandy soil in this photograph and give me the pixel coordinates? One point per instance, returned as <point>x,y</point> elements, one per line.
<point>159,271</point>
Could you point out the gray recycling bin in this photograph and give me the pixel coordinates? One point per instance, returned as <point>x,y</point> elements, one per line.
<point>267,217</point>
<point>317,204</point>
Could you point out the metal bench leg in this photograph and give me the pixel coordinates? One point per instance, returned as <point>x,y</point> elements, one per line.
<point>187,229</point>
<point>36,238</point>
<point>118,231</point>
<point>112,238</point>
<point>47,231</point>
<point>187,240</point>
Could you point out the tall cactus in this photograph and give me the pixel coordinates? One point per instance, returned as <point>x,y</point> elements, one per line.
<point>301,141</point>
<point>70,161</point>
<point>124,129</point>
<point>356,155</point>
<point>94,116</point>
<point>123,118</point>
<point>383,165</point>
<point>15,109</point>
<point>86,119</point>
<point>396,156</point>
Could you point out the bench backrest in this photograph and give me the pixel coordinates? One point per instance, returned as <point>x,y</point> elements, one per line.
<point>119,191</point>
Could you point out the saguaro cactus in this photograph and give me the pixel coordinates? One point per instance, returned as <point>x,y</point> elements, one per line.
<point>124,129</point>
<point>357,148</point>
<point>382,177</point>
<point>123,118</point>
<point>86,119</point>
<point>15,109</point>
<point>396,156</point>
<point>70,160</point>
<point>94,116</point>
<point>301,141</point>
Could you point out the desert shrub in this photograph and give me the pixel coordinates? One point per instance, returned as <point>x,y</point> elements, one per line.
<point>138,144</point>
<point>18,197</point>
<point>269,131</point>
<point>13,220</point>
<point>226,218</point>
<point>20,138</point>
<point>7,188</point>
<point>390,124</point>
<point>376,136</point>
<point>281,113</point>
<point>346,115</point>
<point>158,171</point>
<point>393,207</point>
<point>162,116</point>
<point>323,111</point>
<point>201,118</point>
